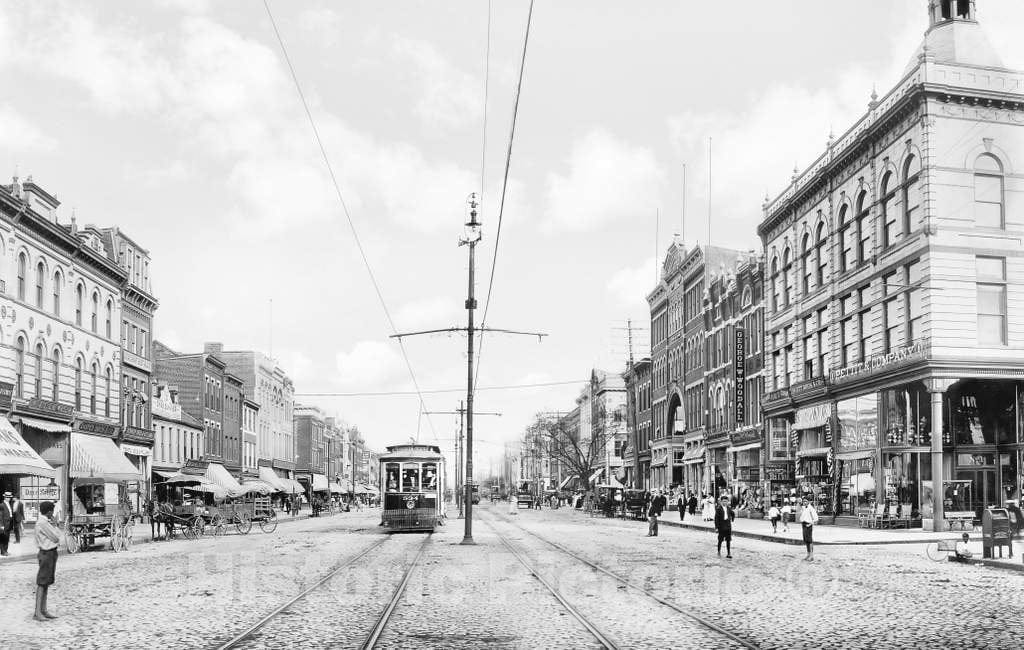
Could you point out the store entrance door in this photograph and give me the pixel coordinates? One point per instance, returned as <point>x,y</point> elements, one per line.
<point>983,492</point>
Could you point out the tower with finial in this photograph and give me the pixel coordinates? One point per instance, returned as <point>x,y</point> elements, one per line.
<point>873,104</point>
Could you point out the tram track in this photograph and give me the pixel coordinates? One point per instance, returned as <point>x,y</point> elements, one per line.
<point>626,582</point>
<point>396,597</point>
<point>249,632</point>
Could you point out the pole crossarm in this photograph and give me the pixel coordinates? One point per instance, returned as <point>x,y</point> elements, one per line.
<point>448,330</point>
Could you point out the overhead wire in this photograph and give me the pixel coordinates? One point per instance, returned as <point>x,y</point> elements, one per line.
<point>345,210</point>
<point>429,391</point>
<point>504,184</point>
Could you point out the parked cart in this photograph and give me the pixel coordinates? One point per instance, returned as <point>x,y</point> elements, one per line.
<point>115,522</point>
<point>242,513</point>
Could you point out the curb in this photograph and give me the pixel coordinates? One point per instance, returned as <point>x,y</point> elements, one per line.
<point>798,542</point>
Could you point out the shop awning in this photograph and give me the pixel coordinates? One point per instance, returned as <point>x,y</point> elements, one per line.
<point>817,451</point>
<point>561,486</point>
<point>268,476</point>
<point>250,485</point>
<point>219,475</point>
<point>164,473</point>
<point>99,458</point>
<point>855,455</point>
<point>695,455</point>
<point>17,457</point>
<point>292,486</point>
<point>336,488</point>
<point>611,483</point>
<point>812,417</point>
<point>746,447</point>
<point>320,483</point>
<point>593,477</point>
<point>45,425</point>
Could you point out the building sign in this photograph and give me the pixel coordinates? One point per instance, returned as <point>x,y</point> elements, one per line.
<point>877,363</point>
<point>46,406</point>
<point>40,492</point>
<point>96,428</point>
<point>812,417</point>
<point>135,450</point>
<point>778,472</point>
<point>739,362</point>
<point>195,467</point>
<point>6,394</point>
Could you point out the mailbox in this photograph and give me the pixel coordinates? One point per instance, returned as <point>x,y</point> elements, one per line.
<point>995,531</point>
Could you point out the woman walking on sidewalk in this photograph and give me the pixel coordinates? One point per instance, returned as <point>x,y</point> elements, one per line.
<point>47,537</point>
<point>808,518</point>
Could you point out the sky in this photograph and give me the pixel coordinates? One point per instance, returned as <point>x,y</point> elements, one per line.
<point>178,121</point>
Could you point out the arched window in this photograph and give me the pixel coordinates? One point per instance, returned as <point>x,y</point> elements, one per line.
<point>821,255</point>
<point>22,271</point>
<point>78,384</point>
<point>988,192</point>
<point>106,403</point>
<point>19,366</point>
<point>806,264</point>
<point>92,393</point>
<point>56,375</point>
<point>109,315</point>
<point>911,195</point>
<point>40,275</point>
<point>56,293</point>
<point>95,310</point>
<point>748,297</point>
<point>863,228</point>
<point>40,355</point>
<point>79,290</point>
<point>847,240</point>
<point>775,285</point>
<point>890,226</point>
<point>787,276</point>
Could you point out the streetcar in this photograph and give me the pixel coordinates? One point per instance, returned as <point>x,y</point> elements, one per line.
<point>412,482</point>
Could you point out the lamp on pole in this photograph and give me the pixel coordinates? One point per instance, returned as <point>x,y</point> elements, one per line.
<point>472,236</point>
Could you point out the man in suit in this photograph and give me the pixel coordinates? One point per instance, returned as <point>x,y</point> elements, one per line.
<point>6,522</point>
<point>724,516</point>
<point>654,510</point>
<point>18,511</point>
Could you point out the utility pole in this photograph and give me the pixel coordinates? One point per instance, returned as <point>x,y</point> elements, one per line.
<point>631,405</point>
<point>461,412</point>
<point>471,238</point>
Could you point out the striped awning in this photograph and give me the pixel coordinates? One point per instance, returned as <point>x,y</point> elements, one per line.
<point>320,483</point>
<point>268,476</point>
<point>336,488</point>
<point>99,458</point>
<point>17,457</point>
<point>220,476</point>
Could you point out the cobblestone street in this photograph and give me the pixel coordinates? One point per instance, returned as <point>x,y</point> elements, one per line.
<point>203,593</point>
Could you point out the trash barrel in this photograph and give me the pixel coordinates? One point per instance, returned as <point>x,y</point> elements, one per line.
<point>995,531</point>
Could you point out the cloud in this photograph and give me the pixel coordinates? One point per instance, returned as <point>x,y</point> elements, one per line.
<point>606,179</point>
<point>323,23</point>
<point>169,173</point>
<point>368,364</point>
<point>449,98</point>
<point>427,313</point>
<point>629,286</point>
<point>20,135</point>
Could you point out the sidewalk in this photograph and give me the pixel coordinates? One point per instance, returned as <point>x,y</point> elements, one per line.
<point>27,549</point>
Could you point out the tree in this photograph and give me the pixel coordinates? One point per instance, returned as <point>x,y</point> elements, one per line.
<point>581,452</point>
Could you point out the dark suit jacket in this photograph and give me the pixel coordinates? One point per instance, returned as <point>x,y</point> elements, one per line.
<point>6,517</point>
<point>19,512</point>
<point>658,504</point>
<point>723,518</point>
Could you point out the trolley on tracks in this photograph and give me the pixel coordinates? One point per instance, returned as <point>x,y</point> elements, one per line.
<point>412,478</point>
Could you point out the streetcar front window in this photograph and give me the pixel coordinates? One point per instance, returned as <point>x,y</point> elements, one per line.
<point>391,472</point>
<point>410,477</point>
<point>429,476</point>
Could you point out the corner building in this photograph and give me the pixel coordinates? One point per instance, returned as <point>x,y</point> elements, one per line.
<point>894,329</point>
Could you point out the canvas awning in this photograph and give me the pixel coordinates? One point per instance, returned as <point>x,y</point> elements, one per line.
<point>695,455</point>
<point>746,447</point>
<point>561,486</point>
<point>292,486</point>
<point>99,458</point>
<point>164,473</point>
<point>45,425</point>
<point>817,451</point>
<point>250,485</point>
<point>336,488</point>
<point>17,457</point>
<point>219,475</point>
<point>855,455</point>
<point>593,477</point>
<point>320,483</point>
<point>268,476</point>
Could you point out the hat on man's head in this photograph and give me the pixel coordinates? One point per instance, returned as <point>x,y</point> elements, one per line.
<point>8,495</point>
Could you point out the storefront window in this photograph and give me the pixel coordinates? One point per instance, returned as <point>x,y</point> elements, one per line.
<point>778,436</point>
<point>858,423</point>
<point>858,487</point>
<point>906,416</point>
<point>984,412</point>
<point>905,477</point>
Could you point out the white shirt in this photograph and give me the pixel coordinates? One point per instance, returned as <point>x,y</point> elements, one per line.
<point>809,516</point>
<point>773,512</point>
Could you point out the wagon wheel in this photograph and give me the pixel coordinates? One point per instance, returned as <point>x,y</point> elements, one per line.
<point>217,526</point>
<point>73,541</point>
<point>243,523</point>
<point>198,526</point>
<point>186,530</point>
<point>116,544</point>
<point>268,523</point>
<point>128,534</point>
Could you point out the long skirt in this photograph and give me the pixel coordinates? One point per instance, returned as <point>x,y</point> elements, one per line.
<point>47,567</point>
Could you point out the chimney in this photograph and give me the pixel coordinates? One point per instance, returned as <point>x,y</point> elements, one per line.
<point>213,348</point>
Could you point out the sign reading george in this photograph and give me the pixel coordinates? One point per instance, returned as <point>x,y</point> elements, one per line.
<point>740,367</point>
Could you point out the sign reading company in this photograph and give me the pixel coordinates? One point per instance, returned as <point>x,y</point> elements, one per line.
<point>880,362</point>
<point>739,364</point>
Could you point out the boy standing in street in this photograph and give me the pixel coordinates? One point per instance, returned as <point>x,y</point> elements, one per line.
<point>47,538</point>
<point>808,518</point>
<point>724,516</point>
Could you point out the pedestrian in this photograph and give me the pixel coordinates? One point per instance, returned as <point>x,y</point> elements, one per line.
<point>47,538</point>
<point>691,504</point>
<point>773,516</point>
<point>513,503</point>
<point>708,509</point>
<point>6,522</point>
<point>724,516</point>
<point>808,517</point>
<point>654,510</point>
<point>786,511</point>
<point>681,505</point>
<point>17,526</point>
<point>1016,518</point>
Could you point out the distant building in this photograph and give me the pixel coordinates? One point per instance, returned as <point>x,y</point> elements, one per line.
<point>638,444</point>
<point>179,436</point>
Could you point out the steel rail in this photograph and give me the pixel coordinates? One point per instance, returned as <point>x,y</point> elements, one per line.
<point>248,632</point>
<point>632,585</point>
<point>378,629</point>
<point>598,634</point>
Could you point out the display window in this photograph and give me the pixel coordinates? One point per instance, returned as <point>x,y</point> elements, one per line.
<point>906,416</point>
<point>908,483</point>
<point>778,439</point>
<point>983,412</point>
<point>858,488</point>
<point>858,423</point>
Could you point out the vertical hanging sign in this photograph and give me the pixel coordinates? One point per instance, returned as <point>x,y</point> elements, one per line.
<point>740,366</point>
